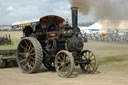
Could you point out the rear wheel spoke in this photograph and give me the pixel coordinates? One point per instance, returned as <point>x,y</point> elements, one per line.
<point>32,54</point>
<point>32,63</point>
<point>21,61</point>
<point>21,53</point>
<point>29,65</point>
<point>26,44</point>
<point>31,50</point>
<point>23,48</point>
<point>32,58</point>
<point>30,47</point>
<point>25,66</point>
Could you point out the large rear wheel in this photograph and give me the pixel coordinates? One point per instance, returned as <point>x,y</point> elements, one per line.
<point>64,63</point>
<point>29,55</point>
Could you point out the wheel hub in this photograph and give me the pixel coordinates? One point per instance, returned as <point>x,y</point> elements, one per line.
<point>88,60</point>
<point>27,55</point>
<point>62,64</point>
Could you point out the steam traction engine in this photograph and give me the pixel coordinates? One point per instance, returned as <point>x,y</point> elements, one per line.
<point>57,45</point>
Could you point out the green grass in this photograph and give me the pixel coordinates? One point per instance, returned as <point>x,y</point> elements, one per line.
<point>111,42</point>
<point>119,58</point>
<point>13,46</point>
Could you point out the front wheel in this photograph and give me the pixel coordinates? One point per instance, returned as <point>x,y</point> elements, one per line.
<point>64,63</point>
<point>92,66</point>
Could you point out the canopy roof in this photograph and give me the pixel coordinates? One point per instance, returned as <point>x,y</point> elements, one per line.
<point>51,19</point>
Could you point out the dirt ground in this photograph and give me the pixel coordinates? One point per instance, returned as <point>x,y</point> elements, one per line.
<point>113,69</point>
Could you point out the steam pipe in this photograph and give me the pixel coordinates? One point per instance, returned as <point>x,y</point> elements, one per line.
<point>74,17</point>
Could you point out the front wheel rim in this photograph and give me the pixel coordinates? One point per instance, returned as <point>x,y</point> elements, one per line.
<point>64,64</point>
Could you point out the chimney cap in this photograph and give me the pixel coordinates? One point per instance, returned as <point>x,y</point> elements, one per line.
<point>74,8</point>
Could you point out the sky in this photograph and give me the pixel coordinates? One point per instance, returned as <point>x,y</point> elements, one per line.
<point>19,10</point>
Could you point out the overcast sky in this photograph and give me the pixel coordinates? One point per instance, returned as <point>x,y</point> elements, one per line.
<point>19,10</point>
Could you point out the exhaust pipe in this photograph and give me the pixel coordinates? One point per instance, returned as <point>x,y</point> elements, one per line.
<point>74,17</point>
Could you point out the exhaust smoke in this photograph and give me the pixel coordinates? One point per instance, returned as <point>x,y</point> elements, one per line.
<point>107,12</point>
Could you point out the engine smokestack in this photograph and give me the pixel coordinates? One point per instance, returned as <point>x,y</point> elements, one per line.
<point>74,17</point>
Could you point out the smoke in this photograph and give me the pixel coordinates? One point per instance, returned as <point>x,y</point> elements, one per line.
<point>108,12</point>
<point>84,6</point>
<point>109,25</point>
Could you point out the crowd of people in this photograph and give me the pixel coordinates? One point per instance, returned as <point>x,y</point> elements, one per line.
<point>109,36</point>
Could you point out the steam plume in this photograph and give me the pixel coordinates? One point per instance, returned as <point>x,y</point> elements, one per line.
<point>105,11</point>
